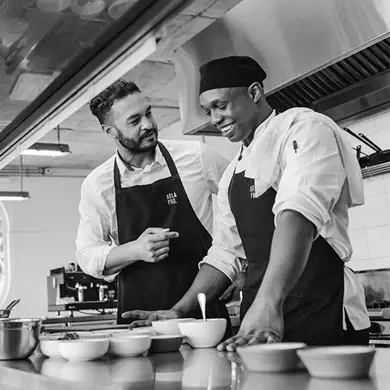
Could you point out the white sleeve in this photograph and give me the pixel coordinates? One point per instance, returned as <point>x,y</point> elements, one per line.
<point>93,237</point>
<point>313,174</point>
<point>226,250</point>
<point>214,165</point>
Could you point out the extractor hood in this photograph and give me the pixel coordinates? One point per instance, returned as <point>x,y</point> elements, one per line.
<point>332,56</point>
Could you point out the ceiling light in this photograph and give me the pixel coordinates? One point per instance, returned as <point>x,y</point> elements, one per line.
<point>47,149</point>
<point>16,195</point>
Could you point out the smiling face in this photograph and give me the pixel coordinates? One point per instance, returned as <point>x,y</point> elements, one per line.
<point>132,125</point>
<point>234,111</point>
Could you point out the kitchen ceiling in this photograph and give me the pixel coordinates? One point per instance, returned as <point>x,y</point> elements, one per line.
<point>156,78</point>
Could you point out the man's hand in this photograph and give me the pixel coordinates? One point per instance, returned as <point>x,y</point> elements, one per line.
<point>139,318</point>
<point>233,291</point>
<point>152,245</point>
<point>258,326</point>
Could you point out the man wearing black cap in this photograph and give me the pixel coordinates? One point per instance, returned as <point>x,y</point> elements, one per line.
<point>283,205</point>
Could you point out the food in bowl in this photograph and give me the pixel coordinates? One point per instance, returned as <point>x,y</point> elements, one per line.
<point>82,350</point>
<point>275,357</point>
<point>169,327</point>
<point>129,345</point>
<point>203,334</point>
<point>338,362</point>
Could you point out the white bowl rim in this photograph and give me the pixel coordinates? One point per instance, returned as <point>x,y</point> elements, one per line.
<point>86,341</point>
<point>332,351</point>
<point>166,337</point>
<point>208,321</point>
<point>130,337</point>
<point>173,321</point>
<point>272,347</point>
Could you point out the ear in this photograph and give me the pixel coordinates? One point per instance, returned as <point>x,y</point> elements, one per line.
<point>255,91</point>
<point>109,130</point>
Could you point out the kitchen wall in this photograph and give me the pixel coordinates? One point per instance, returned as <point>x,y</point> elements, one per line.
<point>42,236</point>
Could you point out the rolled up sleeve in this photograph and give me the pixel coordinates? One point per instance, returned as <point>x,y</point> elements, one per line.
<point>313,174</point>
<point>226,250</point>
<point>93,240</point>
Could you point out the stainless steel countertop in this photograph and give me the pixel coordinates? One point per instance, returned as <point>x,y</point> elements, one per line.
<point>187,369</point>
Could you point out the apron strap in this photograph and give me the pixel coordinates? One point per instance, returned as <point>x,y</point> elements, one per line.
<point>169,160</point>
<point>117,179</point>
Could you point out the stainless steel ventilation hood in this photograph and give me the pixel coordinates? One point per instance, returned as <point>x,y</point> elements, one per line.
<point>332,56</point>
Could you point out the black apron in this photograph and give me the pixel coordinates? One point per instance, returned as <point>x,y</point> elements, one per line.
<point>313,309</point>
<point>164,203</point>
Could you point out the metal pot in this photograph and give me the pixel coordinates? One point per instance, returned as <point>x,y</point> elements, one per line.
<point>19,337</point>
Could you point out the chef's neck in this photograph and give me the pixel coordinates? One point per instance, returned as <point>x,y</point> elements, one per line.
<point>262,115</point>
<point>136,160</point>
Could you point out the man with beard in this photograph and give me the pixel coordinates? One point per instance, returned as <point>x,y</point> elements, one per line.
<point>146,212</point>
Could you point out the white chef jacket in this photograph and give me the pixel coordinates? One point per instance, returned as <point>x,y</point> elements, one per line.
<point>200,170</point>
<point>312,182</point>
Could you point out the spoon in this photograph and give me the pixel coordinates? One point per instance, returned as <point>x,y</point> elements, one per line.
<point>202,303</point>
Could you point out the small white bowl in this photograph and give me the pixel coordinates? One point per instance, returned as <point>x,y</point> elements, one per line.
<point>338,362</point>
<point>169,327</point>
<point>274,357</point>
<point>50,348</point>
<point>119,8</point>
<point>129,345</point>
<point>83,350</point>
<point>203,334</point>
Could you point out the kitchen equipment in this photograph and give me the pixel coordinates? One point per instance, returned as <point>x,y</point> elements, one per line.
<point>12,304</point>
<point>82,350</point>
<point>338,362</point>
<point>129,345</point>
<point>203,334</point>
<point>70,289</point>
<point>5,313</point>
<point>202,303</point>
<point>18,337</point>
<point>275,357</point>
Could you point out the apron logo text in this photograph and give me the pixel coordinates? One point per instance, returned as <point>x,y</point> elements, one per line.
<point>252,191</point>
<point>171,198</point>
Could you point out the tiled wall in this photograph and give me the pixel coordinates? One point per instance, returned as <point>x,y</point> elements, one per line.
<point>370,224</point>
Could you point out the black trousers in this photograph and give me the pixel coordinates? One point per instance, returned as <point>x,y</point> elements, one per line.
<point>355,337</point>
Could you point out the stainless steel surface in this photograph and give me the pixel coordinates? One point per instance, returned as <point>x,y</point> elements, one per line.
<point>187,369</point>
<point>312,50</point>
<point>18,337</point>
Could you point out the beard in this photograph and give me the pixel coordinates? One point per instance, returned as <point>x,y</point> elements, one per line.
<point>135,145</point>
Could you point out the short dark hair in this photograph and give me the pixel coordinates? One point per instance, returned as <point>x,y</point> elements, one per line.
<point>101,105</point>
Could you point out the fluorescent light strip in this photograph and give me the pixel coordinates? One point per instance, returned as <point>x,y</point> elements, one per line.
<point>116,70</point>
<point>14,195</point>
<point>47,149</point>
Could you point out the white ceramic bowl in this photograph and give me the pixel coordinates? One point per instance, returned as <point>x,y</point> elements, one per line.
<point>203,334</point>
<point>82,350</point>
<point>169,327</point>
<point>129,345</point>
<point>275,357</point>
<point>50,348</point>
<point>338,362</point>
